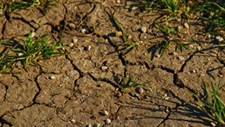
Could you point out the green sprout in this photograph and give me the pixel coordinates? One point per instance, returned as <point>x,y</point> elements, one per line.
<point>212,103</point>
<point>127,83</point>
<point>28,50</point>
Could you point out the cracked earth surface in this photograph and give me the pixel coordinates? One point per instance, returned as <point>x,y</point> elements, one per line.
<point>84,84</point>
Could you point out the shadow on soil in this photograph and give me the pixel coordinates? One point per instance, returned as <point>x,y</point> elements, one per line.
<point>190,112</point>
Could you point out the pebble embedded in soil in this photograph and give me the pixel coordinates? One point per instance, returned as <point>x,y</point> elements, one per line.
<point>71,45</point>
<point>139,90</point>
<point>75,40</point>
<point>193,71</point>
<point>20,54</point>
<point>52,77</point>
<point>104,68</point>
<point>219,38</point>
<point>119,34</point>
<point>186,25</point>
<point>89,125</point>
<point>97,125</point>
<point>143,29</point>
<point>181,58</point>
<point>105,113</point>
<point>83,31</point>
<point>108,121</point>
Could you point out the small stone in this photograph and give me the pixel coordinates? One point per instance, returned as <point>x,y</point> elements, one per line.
<point>181,58</point>
<point>89,125</point>
<point>198,47</point>
<point>219,38</point>
<point>52,77</point>
<point>108,121</point>
<point>143,29</point>
<point>97,125</point>
<point>33,34</point>
<point>72,25</point>
<point>104,68</point>
<point>105,113</point>
<point>119,34</point>
<point>134,8</point>
<point>191,46</point>
<point>89,48</point>
<point>175,53</point>
<point>158,55</point>
<point>213,124</point>
<point>75,40</point>
<point>20,54</point>
<point>193,71</point>
<point>186,25</point>
<point>83,31</point>
<point>71,45</point>
<point>73,120</point>
<point>139,90</point>
<point>118,1</point>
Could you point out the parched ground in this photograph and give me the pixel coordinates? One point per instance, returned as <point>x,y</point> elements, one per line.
<point>82,89</point>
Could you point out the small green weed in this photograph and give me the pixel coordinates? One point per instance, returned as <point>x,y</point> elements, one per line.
<point>214,14</point>
<point>212,104</point>
<point>128,44</point>
<point>127,83</point>
<point>11,6</point>
<point>28,50</point>
<point>172,6</point>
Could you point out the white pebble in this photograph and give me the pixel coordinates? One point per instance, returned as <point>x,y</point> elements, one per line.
<point>186,25</point>
<point>52,77</point>
<point>75,40</point>
<point>73,120</point>
<point>181,58</point>
<point>193,71</point>
<point>144,29</point>
<point>20,54</point>
<point>108,121</point>
<point>83,30</point>
<point>71,45</point>
<point>199,48</point>
<point>89,125</point>
<point>106,113</point>
<point>104,68</point>
<point>139,90</point>
<point>219,38</point>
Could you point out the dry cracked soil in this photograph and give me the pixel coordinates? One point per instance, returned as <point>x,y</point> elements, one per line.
<point>82,89</point>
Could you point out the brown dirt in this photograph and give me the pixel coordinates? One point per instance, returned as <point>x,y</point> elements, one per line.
<point>82,90</point>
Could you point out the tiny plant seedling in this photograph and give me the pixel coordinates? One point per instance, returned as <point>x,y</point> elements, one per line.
<point>28,50</point>
<point>211,103</point>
